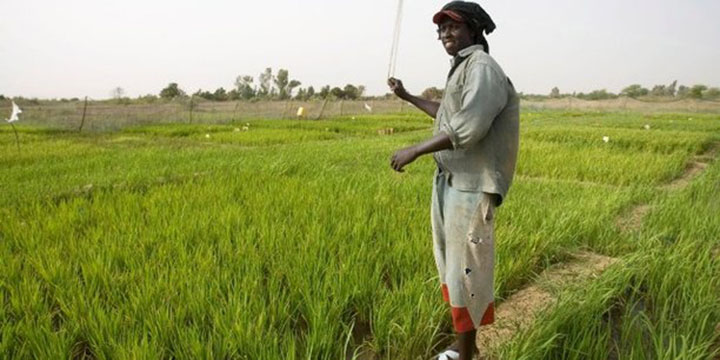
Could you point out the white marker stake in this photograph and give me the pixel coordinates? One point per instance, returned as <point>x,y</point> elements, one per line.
<point>13,118</point>
<point>15,112</point>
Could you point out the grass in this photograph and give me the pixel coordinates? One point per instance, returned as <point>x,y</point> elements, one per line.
<point>294,239</point>
<point>661,302</point>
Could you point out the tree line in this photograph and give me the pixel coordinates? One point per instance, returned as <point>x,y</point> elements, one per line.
<point>635,91</point>
<point>280,86</point>
<point>268,86</point>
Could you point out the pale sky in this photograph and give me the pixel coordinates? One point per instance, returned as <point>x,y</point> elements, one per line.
<point>73,48</point>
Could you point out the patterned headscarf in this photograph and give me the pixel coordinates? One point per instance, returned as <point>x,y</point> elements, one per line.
<point>471,14</point>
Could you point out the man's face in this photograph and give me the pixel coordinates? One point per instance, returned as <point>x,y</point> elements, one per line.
<point>454,36</point>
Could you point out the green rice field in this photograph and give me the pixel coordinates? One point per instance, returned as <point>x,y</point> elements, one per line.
<point>294,239</point>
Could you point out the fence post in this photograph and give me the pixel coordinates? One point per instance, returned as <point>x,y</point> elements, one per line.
<point>232,119</point>
<point>288,112</point>
<point>322,109</point>
<point>82,121</point>
<point>191,108</point>
<point>342,102</point>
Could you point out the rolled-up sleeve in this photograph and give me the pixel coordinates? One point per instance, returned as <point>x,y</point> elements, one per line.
<point>484,95</point>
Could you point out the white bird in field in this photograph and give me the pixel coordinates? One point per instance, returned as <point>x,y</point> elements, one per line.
<point>368,107</point>
<point>15,112</point>
<point>647,126</point>
<point>606,139</point>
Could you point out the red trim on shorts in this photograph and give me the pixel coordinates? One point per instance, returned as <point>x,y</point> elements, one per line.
<point>489,316</point>
<point>445,292</point>
<point>462,322</point>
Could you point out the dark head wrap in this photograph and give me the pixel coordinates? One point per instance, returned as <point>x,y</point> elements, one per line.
<point>471,14</point>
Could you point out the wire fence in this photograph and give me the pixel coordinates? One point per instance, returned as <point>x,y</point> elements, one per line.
<point>627,104</point>
<point>108,115</point>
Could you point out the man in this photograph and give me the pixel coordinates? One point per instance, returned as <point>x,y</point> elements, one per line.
<point>475,146</point>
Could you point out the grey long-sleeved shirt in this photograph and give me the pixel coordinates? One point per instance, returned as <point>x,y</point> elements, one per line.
<point>480,112</point>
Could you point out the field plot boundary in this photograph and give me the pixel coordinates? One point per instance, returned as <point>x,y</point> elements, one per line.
<point>632,220</point>
<point>519,311</point>
<point>695,167</point>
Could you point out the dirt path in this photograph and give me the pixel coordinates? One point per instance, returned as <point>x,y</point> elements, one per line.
<point>519,311</point>
<point>692,171</point>
<point>632,220</point>
<point>696,166</point>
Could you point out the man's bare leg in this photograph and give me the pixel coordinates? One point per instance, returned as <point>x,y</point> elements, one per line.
<point>466,344</point>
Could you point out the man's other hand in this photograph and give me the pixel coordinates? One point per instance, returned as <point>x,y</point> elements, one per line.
<point>403,157</point>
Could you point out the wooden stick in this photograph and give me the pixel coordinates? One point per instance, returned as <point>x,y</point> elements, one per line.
<point>232,119</point>
<point>191,108</point>
<point>82,122</point>
<point>285,109</point>
<point>322,109</point>
<point>17,138</point>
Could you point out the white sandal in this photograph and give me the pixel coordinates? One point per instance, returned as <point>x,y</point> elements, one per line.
<point>449,355</point>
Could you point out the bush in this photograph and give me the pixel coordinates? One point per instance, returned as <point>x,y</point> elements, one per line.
<point>432,93</point>
<point>171,91</point>
<point>696,92</point>
<point>635,90</point>
<point>712,93</point>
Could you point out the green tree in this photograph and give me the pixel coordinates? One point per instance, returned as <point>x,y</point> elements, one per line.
<point>696,91</point>
<point>310,92</point>
<point>292,85</point>
<point>147,99</point>
<point>600,95</point>
<point>635,90</point>
<point>671,89</point>
<point>220,95</point>
<point>712,93</point>
<point>117,93</point>
<point>658,90</point>
<point>284,85</point>
<point>244,87</point>
<point>351,92</point>
<point>281,82</point>
<point>233,95</point>
<point>324,92</point>
<point>432,93</point>
<point>682,91</point>
<point>265,82</point>
<point>172,91</point>
<point>204,95</point>
<point>337,92</point>
<point>555,93</point>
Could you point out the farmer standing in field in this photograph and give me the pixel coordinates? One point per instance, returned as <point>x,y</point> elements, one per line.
<point>475,146</point>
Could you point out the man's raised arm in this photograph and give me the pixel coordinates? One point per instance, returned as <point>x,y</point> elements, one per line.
<point>429,107</point>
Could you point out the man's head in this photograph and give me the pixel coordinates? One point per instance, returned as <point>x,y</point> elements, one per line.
<point>461,24</point>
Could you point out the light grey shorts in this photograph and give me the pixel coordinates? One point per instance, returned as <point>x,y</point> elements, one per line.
<point>463,242</point>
